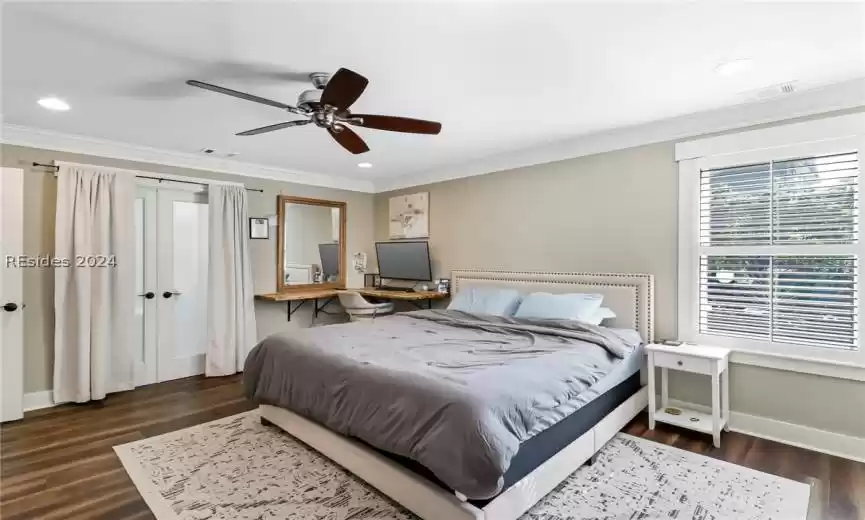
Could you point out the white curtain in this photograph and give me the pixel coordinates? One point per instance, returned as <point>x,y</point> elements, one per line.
<point>230,309</point>
<point>94,297</point>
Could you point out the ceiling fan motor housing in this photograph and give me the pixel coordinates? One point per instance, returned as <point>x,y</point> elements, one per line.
<point>309,99</point>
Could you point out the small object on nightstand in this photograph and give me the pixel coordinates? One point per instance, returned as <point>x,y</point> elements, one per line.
<point>674,343</point>
<point>698,359</point>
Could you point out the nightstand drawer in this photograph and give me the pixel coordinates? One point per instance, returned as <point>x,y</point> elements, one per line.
<point>683,362</point>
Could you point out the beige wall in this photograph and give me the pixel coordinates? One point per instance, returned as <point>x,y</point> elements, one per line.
<point>608,212</point>
<point>611,212</point>
<point>594,213</point>
<point>40,191</point>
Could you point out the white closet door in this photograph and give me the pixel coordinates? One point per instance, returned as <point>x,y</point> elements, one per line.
<point>146,304</point>
<point>182,273</point>
<point>11,305</point>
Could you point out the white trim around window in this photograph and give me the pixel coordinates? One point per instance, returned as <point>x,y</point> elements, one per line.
<point>827,136</point>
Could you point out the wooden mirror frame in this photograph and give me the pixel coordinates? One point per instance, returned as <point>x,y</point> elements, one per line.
<point>281,201</point>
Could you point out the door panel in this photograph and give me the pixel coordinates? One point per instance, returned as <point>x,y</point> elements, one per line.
<point>145,287</point>
<point>11,292</point>
<point>182,274</point>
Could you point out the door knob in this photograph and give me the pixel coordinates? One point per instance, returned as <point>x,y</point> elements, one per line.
<point>10,307</point>
<point>169,294</point>
<point>149,295</point>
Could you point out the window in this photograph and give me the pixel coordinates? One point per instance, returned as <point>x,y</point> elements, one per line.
<point>808,298</point>
<point>769,244</point>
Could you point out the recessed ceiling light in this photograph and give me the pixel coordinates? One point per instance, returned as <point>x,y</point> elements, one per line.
<point>736,66</point>
<point>53,103</point>
<point>364,165</point>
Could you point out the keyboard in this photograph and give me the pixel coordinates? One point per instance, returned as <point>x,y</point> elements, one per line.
<point>396,289</point>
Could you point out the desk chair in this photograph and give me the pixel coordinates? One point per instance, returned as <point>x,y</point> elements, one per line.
<point>357,307</point>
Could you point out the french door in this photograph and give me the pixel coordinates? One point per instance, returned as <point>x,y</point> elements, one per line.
<point>171,283</point>
<point>11,306</point>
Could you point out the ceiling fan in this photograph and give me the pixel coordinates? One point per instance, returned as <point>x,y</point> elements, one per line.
<point>328,107</point>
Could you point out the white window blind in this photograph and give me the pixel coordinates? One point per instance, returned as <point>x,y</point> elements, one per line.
<point>777,257</point>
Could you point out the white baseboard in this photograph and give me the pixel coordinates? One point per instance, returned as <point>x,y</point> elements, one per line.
<point>837,444</point>
<point>38,400</point>
<point>191,366</point>
<point>186,367</point>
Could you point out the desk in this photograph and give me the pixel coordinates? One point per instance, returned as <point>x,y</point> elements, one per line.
<point>301,297</point>
<point>313,295</point>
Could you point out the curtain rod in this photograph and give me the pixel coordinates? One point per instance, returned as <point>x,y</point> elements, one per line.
<point>160,179</point>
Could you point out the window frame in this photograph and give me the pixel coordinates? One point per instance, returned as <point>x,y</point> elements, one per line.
<point>813,138</point>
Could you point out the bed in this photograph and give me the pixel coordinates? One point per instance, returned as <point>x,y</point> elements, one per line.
<point>604,394</point>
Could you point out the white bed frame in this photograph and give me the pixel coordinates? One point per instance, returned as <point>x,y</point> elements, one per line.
<point>630,296</point>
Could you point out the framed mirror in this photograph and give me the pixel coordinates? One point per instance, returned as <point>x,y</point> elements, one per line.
<point>310,243</point>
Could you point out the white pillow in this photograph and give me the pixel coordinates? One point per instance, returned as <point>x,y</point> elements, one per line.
<point>570,306</point>
<point>603,313</point>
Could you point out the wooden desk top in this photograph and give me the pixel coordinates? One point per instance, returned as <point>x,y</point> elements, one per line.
<point>312,294</point>
<point>292,296</point>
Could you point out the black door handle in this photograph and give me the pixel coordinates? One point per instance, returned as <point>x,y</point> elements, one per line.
<point>10,307</point>
<point>149,295</point>
<point>167,294</point>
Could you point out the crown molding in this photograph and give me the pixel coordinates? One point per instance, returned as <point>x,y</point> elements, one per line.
<point>50,140</point>
<point>808,131</point>
<point>840,96</point>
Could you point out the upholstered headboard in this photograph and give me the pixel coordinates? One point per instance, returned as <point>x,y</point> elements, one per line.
<point>630,296</point>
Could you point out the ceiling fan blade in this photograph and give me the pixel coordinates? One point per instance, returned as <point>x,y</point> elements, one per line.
<point>343,89</point>
<point>398,124</point>
<point>241,95</point>
<point>348,139</point>
<point>278,126</point>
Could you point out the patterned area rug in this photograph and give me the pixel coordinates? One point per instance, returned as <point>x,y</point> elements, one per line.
<point>235,468</point>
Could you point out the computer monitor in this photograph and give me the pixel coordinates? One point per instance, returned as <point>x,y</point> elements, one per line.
<point>403,261</point>
<point>329,260</point>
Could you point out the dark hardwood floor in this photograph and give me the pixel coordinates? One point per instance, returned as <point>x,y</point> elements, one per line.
<point>58,463</point>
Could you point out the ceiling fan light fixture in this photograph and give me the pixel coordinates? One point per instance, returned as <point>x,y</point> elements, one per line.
<point>364,165</point>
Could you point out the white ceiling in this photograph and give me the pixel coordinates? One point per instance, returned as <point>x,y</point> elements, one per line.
<point>499,76</point>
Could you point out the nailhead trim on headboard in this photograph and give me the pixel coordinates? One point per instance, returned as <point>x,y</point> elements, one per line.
<point>639,282</point>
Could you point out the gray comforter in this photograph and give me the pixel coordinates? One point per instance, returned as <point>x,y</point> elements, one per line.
<point>453,391</point>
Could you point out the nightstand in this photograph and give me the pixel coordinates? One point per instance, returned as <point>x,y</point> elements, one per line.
<point>711,361</point>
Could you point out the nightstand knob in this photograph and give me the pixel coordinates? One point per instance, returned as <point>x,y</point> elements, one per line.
<point>680,363</point>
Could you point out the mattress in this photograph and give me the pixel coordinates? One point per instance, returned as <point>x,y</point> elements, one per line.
<point>600,400</point>
<point>543,446</point>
